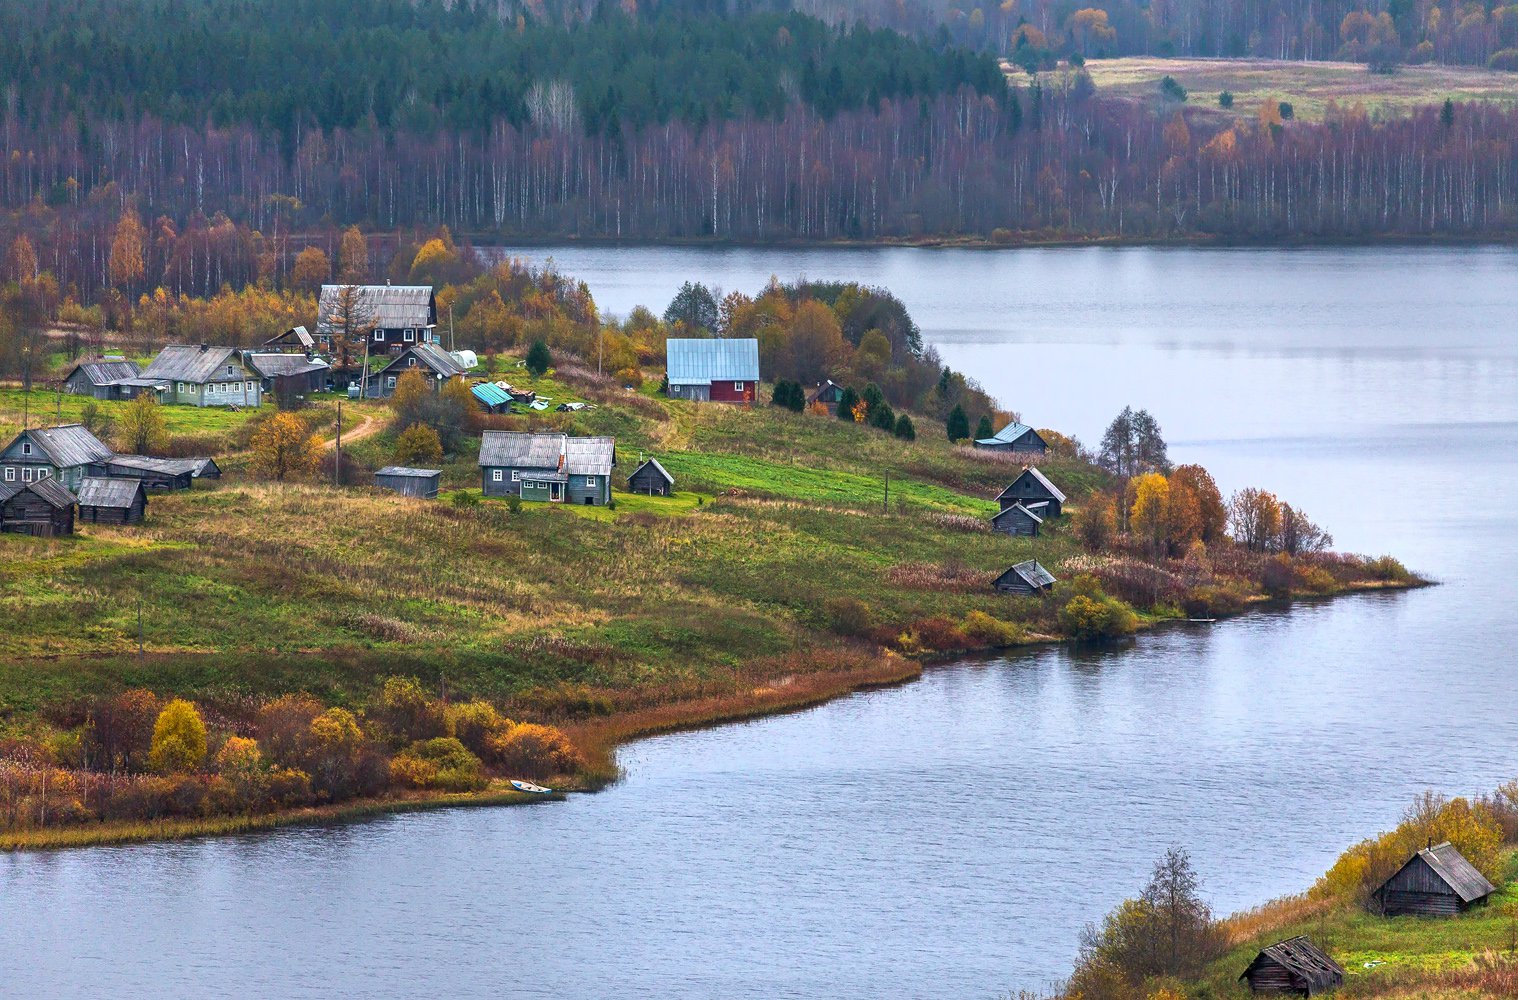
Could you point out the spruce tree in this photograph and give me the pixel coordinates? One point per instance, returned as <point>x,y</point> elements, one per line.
<point>538,359</point>
<point>905,429</point>
<point>958,427</point>
<point>847,400</point>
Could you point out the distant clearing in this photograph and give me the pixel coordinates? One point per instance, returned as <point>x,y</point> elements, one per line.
<point>1307,86</point>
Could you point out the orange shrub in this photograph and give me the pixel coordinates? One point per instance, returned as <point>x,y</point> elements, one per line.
<point>537,752</point>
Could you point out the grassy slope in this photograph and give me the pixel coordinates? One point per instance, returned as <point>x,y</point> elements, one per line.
<point>1308,86</point>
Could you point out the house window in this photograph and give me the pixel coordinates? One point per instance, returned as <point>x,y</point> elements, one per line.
<point>26,448</point>
<point>10,473</point>
<point>516,475</point>
<point>229,369</point>
<point>379,336</point>
<point>495,476</point>
<point>411,362</point>
<point>250,387</point>
<point>213,388</point>
<point>181,387</point>
<point>26,475</point>
<point>410,335</point>
<point>43,474</point>
<point>738,386</point>
<point>390,382</point>
<point>590,480</point>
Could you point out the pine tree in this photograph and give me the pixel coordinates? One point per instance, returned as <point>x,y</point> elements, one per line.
<point>847,400</point>
<point>984,429</point>
<point>958,426</point>
<point>538,359</point>
<point>905,429</point>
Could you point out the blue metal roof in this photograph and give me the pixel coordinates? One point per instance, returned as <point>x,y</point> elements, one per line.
<point>490,394</point>
<point>704,361</point>
<point>1007,434</point>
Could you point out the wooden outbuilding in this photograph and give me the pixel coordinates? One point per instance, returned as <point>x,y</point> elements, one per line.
<point>296,339</point>
<point>102,379</point>
<point>651,479</point>
<point>1017,520</point>
<point>1015,437</point>
<point>169,474</point>
<point>827,393</point>
<point>112,501</point>
<point>43,507</point>
<point>1436,882</point>
<point>422,483</point>
<point>1295,966</point>
<point>1033,490</point>
<point>1026,578</point>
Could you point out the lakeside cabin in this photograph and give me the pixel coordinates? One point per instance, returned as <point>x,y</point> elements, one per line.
<point>651,479</point>
<point>1018,521</point>
<point>1295,966</point>
<point>718,371</point>
<point>1025,579</point>
<point>552,468</point>
<point>65,452</point>
<point>112,501</point>
<point>1436,882</point>
<point>1016,437</point>
<point>409,482</point>
<point>1034,491</point>
<point>42,508</point>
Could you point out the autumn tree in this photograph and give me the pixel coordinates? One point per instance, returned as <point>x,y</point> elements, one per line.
<point>353,257</point>
<point>1150,509</point>
<point>282,449</point>
<point>695,307</point>
<point>179,738</point>
<point>118,731</point>
<point>1168,931</point>
<point>1299,534</point>
<point>351,320</point>
<point>311,271</point>
<point>1211,511</point>
<point>126,263</point>
<point>140,427</point>
<point>21,260</point>
<point>1095,521</point>
<point>410,389</point>
<point>1254,517</point>
<point>1133,444</point>
<point>418,445</point>
<point>817,346</point>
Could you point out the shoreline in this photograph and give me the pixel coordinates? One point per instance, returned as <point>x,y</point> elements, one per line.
<point>599,739</point>
<point>497,241</point>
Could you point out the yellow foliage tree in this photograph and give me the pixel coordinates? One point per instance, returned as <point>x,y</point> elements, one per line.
<point>283,450</point>
<point>21,262</point>
<point>410,389</point>
<point>353,257</point>
<point>418,445</point>
<point>179,738</point>
<point>140,426</point>
<point>312,269</point>
<point>1150,510</point>
<point>126,261</point>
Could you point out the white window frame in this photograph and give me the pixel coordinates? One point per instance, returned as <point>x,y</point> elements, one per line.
<point>739,386</point>
<point>389,381</point>
<point>180,387</point>
<point>26,474</point>
<point>379,336</point>
<point>409,335</point>
<point>411,361</point>
<point>516,475</point>
<point>213,387</point>
<point>248,387</point>
<point>43,474</point>
<point>10,473</point>
<point>229,369</point>
<point>590,480</point>
<point>26,447</point>
<point>495,476</point>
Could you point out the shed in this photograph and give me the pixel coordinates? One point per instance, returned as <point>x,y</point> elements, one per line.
<point>1017,520</point>
<point>491,397</point>
<point>1435,882</point>
<point>1015,437</point>
<point>1033,487</point>
<point>827,393</point>
<point>409,482</point>
<point>651,479</point>
<point>1295,965</point>
<point>297,339</point>
<point>289,375</point>
<point>1025,578</point>
<point>156,473</point>
<point>112,501</point>
<point>723,371</point>
<point>43,508</point>
<point>101,379</point>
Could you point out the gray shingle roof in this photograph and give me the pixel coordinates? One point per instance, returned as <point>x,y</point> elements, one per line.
<point>1458,873</point>
<point>171,466</point>
<point>271,365</point>
<point>97,492</point>
<point>403,470</point>
<point>1305,959</point>
<point>189,363</point>
<point>653,463</point>
<point>430,355</point>
<point>298,333</point>
<point>1043,481</point>
<point>588,456</point>
<point>1035,575</point>
<point>702,361</point>
<point>388,306</point>
<point>68,445</point>
<point>48,489</point>
<point>105,372</point>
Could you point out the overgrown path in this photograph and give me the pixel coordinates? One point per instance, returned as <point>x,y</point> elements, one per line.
<point>369,425</point>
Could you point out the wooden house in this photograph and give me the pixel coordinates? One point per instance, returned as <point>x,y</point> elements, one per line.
<point>112,501</point>
<point>719,371</point>
<point>108,378</point>
<point>166,474</point>
<point>1033,490</point>
<point>422,483</point>
<point>397,316</point>
<point>42,508</point>
<point>651,479</point>
<point>1435,882</point>
<point>547,467</point>
<point>437,364</point>
<point>297,340</point>
<point>286,376</point>
<point>1294,966</point>
<point>827,393</point>
<point>1026,578</point>
<point>205,376</point>
<point>1017,520</point>
<point>65,453</point>
<point>1015,437</point>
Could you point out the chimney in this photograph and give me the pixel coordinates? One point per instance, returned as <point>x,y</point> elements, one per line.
<point>204,348</point>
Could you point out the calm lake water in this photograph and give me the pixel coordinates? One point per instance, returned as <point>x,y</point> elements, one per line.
<point>949,838</point>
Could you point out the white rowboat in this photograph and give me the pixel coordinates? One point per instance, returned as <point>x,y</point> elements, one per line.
<point>530,788</point>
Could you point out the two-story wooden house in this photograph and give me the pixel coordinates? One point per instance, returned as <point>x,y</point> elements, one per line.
<point>396,316</point>
<point>205,376</point>
<point>554,468</point>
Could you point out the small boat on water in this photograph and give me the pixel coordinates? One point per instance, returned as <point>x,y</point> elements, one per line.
<point>530,788</point>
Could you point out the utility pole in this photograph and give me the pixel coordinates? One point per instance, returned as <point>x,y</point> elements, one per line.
<point>885,505</point>
<point>600,336</point>
<point>139,624</point>
<point>451,345</point>
<point>337,464</point>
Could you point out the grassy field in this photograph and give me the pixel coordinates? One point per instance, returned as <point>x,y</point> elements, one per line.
<point>1307,86</point>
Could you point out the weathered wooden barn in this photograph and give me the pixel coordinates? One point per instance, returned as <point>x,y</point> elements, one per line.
<point>719,371</point>
<point>827,393</point>
<point>64,453</point>
<point>168,474</point>
<point>547,467</point>
<point>1026,578</point>
<point>296,339</point>
<point>1015,437</point>
<point>437,364</point>
<point>112,501</point>
<point>289,376</point>
<point>651,479</point>
<point>1017,520</point>
<point>43,508</point>
<point>422,483</point>
<point>1436,882</point>
<point>1033,490</point>
<point>106,378</point>
<point>1295,966</point>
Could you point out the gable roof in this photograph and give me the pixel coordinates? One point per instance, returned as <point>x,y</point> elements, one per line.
<point>1008,434</point>
<point>67,445</point>
<point>431,356</point>
<point>386,306</point>
<point>490,394</point>
<point>97,491</point>
<point>189,363</point>
<point>1456,872</point>
<point>105,372</point>
<point>299,334</point>
<point>49,489</point>
<point>584,456</point>
<point>653,463</point>
<point>817,393</point>
<point>405,470</point>
<point>1032,574</point>
<point>704,361</point>
<point>1303,958</point>
<point>1037,518</point>
<point>1043,481</point>
<point>169,466</point>
<point>279,365</point>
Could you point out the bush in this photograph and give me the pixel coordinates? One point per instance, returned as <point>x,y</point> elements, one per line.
<point>442,763</point>
<point>284,728</point>
<point>848,400</point>
<point>1091,615</point>
<point>539,360</point>
<point>848,615</point>
<point>1225,99</point>
<point>1277,576</point>
<point>179,738</point>
<point>402,713</point>
<point>939,634</point>
<point>478,726</point>
<point>1170,90</point>
<point>1388,569</point>
<point>1287,111</point>
<point>537,753</point>
<point>989,631</point>
<point>905,429</point>
<point>418,445</point>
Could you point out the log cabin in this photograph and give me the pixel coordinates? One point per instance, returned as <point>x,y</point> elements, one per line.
<point>1294,966</point>
<point>112,501</point>
<point>1436,882</point>
<point>1025,579</point>
<point>1015,437</point>
<point>1030,489</point>
<point>43,508</point>
<point>651,479</point>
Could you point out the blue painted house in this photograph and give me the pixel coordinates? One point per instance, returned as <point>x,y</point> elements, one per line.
<point>1015,437</point>
<point>552,468</point>
<point>63,453</point>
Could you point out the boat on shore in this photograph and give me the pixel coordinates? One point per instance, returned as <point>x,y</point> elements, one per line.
<point>530,788</point>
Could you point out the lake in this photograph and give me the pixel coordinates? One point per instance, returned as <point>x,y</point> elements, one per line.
<point>949,838</point>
